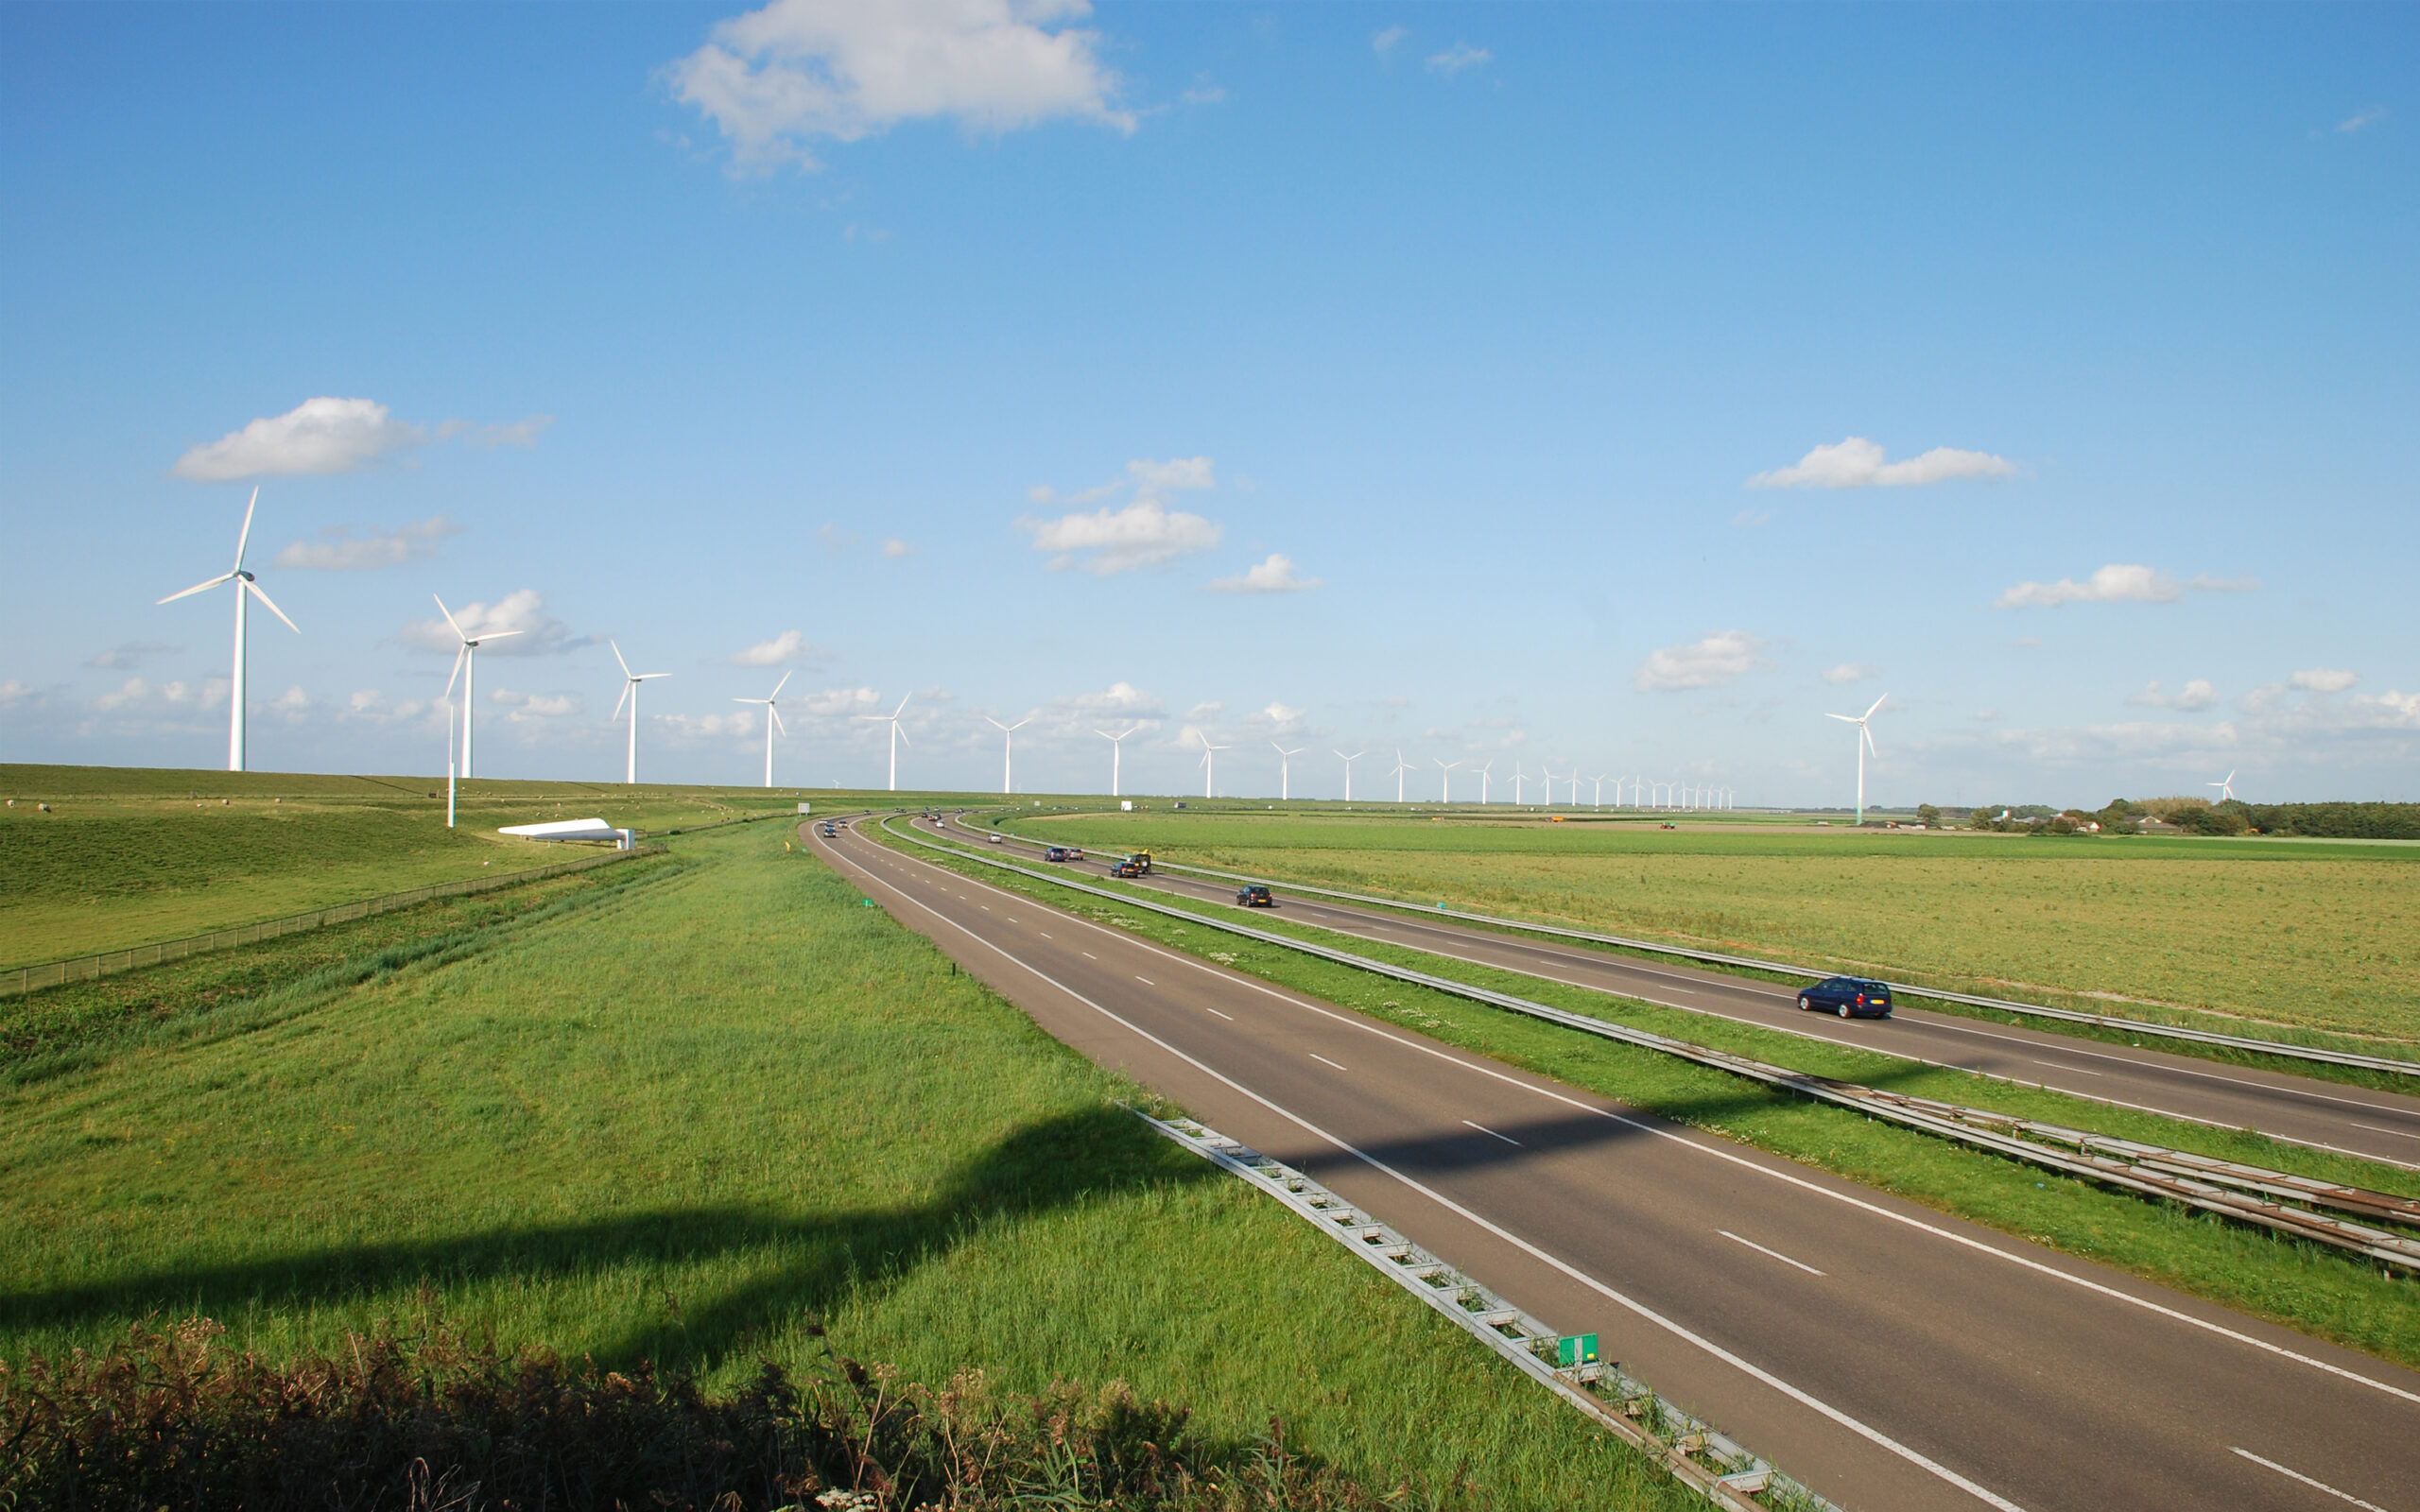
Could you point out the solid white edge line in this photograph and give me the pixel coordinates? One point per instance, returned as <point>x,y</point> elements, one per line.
<point>1774,1253</point>
<point>2317,1485</point>
<point>1749,1367</point>
<point>1368,1027</point>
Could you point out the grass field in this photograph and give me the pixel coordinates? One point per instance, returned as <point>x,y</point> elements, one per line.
<point>2320,1292</point>
<point>2315,936</point>
<point>682,1116</point>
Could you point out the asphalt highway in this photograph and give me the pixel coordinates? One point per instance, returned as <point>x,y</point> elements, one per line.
<point>1888,1356</point>
<point>2302,1111</point>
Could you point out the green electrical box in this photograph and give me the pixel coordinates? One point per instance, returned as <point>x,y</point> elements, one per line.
<point>1575,1349</point>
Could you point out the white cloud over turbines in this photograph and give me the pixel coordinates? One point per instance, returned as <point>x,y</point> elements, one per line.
<point>788,646</point>
<point>341,548</point>
<point>1858,463</point>
<point>1709,661</point>
<point>2119,583</point>
<point>774,80</point>
<point>522,611</point>
<point>1274,575</point>
<point>2195,694</point>
<point>1144,532</point>
<point>326,436</point>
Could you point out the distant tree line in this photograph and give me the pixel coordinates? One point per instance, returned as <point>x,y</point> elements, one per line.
<point>2197,815</point>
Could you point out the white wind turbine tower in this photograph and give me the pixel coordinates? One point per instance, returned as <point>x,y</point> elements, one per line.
<point>772,722</point>
<point>1484,773</point>
<point>1348,771</point>
<point>1601,792</point>
<point>1401,766</point>
<point>1116,754</point>
<point>1008,739</point>
<point>245,588</point>
<point>2225,786</point>
<point>896,736</point>
<point>631,681</point>
<point>1444,780</point>
<point>1209,765</point>
<point>1864,744</point>
<point>1284,770</point>
<point>466,661</point>
<point>1519,777</point>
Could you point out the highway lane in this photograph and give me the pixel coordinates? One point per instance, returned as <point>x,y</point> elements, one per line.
<point>2326,1115</point>
<point>1889,1357</point>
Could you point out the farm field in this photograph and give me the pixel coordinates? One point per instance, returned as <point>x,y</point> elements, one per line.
<point>2295,934</point>
<point>128,857</point>
<point>687,1117</point>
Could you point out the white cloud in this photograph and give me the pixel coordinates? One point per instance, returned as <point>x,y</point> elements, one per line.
<point>1709,663</point>
<point>369,706</point>
<point>523,610</point>
<point>292,703</point>
<point>316,435</point>
<point>1204,92</point>
<point>130,654</point>
<point>1143,534</point>
<point>2362,120</point>
<point>2118,583</point>
<point>834,538</point>
<point>2198,694</point>
<point>135,694</point>
<point>529,708</point>
<point>1121,700</point>
<point>1850,672</point>
<point>1858,463</point>
<point>773,80</point>
<point>1273,575</point>
<point>1385,42</point>
<point>845,701</point>
<point>1279,719</point>
<point>788,647</point>
<point>341,550</point>
<point>1751,518</point>
<point>2322,679</point>
<point>1200,712</point>
<point>686,728</point>
<point>895,548</point>
<point>1459,56</point>
<point>13,692</point>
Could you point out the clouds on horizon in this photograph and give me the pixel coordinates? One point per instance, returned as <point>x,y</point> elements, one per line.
<point>1143,533</point>
<point>1708,663</point>
<point>522,611</point>
<point>342,550</point>
<point>2119,583</point>
<point>1858,463</point>
<point>326,436</point>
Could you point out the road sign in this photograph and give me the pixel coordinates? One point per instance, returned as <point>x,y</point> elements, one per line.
<point>1575,1349</point>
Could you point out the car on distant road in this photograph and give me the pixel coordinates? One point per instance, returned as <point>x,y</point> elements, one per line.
<point>997,838</point>
<point>1057,853</point>
<point>1125,869</point>
<point>1851,996</point>
<point>1255,896</point>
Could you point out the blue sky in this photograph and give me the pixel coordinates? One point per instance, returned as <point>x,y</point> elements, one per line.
<point>1612,388</point>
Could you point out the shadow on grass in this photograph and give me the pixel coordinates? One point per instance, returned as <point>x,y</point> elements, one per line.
<point>803,1265</point>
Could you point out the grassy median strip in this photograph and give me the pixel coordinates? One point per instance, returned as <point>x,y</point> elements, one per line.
<point>2301,1285</point>
<point>695,1122</point>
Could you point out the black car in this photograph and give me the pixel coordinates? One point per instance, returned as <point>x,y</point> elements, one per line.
<point>1851,996</point>
<point>1057,853</point>
<point>1255,896</point>
<point>1126,868</point>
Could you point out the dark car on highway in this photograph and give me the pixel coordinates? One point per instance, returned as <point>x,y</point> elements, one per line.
<point>1255,896</point>
<point>1057,853</point>
<point>1126,868</point>
<point>1851,996</point>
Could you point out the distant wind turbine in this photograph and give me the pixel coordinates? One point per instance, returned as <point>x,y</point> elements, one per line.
<point>1864,744</point>
<point>1444,780</point>
<point>245,589</point>
<point>1209,765</point>
<point>631,681</point>
<point>466,661</point>
<point>1116,754</point>
<point>1401,766</point>
<point>1008,739</point>
<point>1348,771</point>
<point>1518,777</point>
<point>2225,786</point>
<point>1484,773</point>
<point>1284,770</point>
<point>897,736</point>
<point>772,722</point>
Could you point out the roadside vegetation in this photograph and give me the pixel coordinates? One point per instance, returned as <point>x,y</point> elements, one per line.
<point>2273,938</point>
<point>679,1122</point>
<point>2319,1291</point>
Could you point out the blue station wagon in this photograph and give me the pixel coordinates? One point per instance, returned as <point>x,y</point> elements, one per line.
<point>1851,996</point>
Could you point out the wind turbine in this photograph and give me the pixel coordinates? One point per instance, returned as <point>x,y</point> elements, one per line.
<point>2225,786</point>
<point>1284,770</point>
<point>466,661</point>
<point>631,681</point>
<point>1116,752</point>
<point>1601,792</point>
<point>772,722</point>
<point>1483,781</point>
<point>1444,780</point>
<point>1348,771</point>
<point>1517,778</point>
<point>1864,744</point>
<point>897,736</point>
<point>1401,766</point>
<point>1209,764</point>
<point>245,588</point>
<point>1007,738</point>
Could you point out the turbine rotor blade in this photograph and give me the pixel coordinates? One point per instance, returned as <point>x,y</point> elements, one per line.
<point>617,655</point>
<point>255,589</point>
<point>244,536</point>
<point>1878,703</point>
<point>199,588</point>
<point>449,618</point>
<point>458,672</point>
<point>903,705</point>
<point>775,715</point>
<point>497,635</point>
<point>902,729</point>
<point>623,700</point>
<point>783,683</point>
<point>1846,719</point>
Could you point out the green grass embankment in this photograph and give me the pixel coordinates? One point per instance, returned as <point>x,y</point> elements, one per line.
<point>691,1119</point>
<point>2319,1291</point>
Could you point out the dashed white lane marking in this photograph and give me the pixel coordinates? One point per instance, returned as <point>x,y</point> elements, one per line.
<point>1088,956</point>
<point>2316,1486</point>
<point>1492,1134</point>
<point>1324,1061</point>
<point>2061,1065</point>
<point>1773,1253</point>
<point>1146,981</point>
<point>1045,937</point>
<point>1228,1017</point>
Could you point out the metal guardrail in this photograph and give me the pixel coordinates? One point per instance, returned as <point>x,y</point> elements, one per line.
<point>2207,1037</point>
<point>1701,1457</point>
<point>2247,1194</point>
<point>110,963</point>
